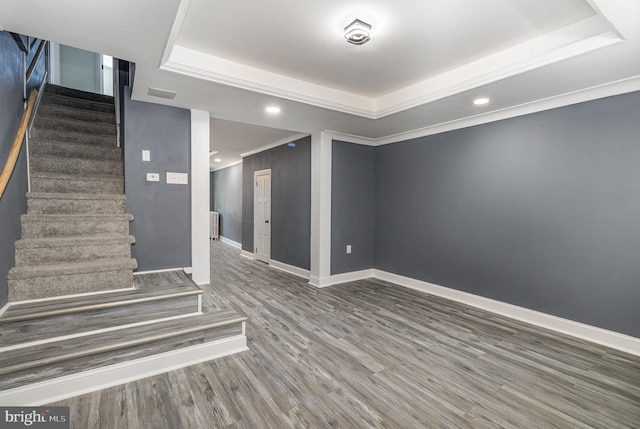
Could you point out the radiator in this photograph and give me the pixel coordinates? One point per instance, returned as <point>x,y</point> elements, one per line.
<point>214,225</point>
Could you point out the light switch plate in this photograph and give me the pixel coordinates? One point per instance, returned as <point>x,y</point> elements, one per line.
<point>348,248</point>
<point>153,177</point>
<point>146,155</point>
<point>177,178</point>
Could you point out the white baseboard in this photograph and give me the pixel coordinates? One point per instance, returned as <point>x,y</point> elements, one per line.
<point>164,270</point>
<point>320,281</point>
<point>351,277</point>
<point>246,254</point>
<point>80,383</point>
<point>296,271</point>
<point>615,340</point>
<point>230,242</point>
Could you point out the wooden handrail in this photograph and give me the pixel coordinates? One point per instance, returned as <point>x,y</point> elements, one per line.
<point>10,165</point>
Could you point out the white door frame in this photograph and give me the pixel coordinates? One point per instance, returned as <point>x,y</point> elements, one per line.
<point>261,222</point>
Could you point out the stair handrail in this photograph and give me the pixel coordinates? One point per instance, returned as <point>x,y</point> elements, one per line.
<point>34,60</point>
<point>12,159</point>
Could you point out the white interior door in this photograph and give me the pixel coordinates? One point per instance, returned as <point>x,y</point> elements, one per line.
<point>262,215</point>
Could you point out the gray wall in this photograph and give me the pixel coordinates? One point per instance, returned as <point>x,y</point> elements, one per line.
<point>352,206</point>
<point>540,211</point>
<point>290,201</point>
<point>162,224</point>
<point>227,200</point>
<point>13,202</point>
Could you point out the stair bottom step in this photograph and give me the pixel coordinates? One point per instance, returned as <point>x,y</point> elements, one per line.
<point>46,287</point>
<point>102,354</point>
<point>19,332</point>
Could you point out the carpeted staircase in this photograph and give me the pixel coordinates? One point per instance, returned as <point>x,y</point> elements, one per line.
<point>77,318</point>
<point>75,235</point>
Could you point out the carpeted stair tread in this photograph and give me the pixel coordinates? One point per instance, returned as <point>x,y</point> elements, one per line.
<point>55,163</point>
<point>47,123</point>
<point>38,243</point>
<point>20,311</point>
<point>188,330</point>
<point>73,225</point>
<point>78,94</point>
<point>73,149</point>
<point>74,196</point>
<point>70,268</point>
<point>59,111</point>
<point>73,217</point>
<point>72,183</point>
<point>77,103</point>
<point>74,136</point>
<point>65,176</point>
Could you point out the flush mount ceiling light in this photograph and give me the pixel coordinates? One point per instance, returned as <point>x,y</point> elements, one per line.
<point>481,101</point>
<point>273,110</point>
<point>358,32</point>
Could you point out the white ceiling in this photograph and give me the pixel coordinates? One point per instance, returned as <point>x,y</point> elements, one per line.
<point>427,59</point>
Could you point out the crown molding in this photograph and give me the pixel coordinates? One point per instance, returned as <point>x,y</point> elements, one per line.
<point>587,35</point>
<point>290,139</point>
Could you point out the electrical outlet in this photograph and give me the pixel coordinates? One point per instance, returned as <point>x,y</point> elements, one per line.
<point>178,178</point>
<point>348,248</point>
<point>153,177</point>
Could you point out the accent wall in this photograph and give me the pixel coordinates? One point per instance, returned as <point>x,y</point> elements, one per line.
<point>226,193</point>
<point>162,212</point>
<point>290,201</point>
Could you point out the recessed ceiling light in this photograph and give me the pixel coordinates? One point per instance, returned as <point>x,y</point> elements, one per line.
<point>274,110</point>
<point>481,101</point>
<point>217,160</point>
<point>358,32</point>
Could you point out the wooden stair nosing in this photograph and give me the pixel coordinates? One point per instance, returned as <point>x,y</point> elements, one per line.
<point>85,308</point>
<point>8,368</point>
<point>112,302</point>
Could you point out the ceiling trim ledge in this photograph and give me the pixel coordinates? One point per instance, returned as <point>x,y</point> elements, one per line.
<point>609,89</point>
<point>175,29</point>
<point>280,142</point>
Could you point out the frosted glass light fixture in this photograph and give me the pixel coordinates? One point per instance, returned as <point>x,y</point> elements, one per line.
<point>358,32</point>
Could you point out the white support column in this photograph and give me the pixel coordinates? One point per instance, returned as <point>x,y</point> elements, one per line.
<point>320,210</point>
<point>200,197</point>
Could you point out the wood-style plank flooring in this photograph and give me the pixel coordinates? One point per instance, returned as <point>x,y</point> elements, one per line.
<point>371,354</point>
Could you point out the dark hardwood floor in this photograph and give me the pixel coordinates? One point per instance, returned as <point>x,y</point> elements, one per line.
<point>371,354</point>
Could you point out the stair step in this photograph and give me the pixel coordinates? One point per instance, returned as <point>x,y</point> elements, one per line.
<point>73,203</point>
<point>77,103</point>
<point>70,183</point>
<point>36,282</point>
<point>47,123</point>
<point>80,166</point>
<point>70,356</point>
<point>34,310</point>
<point>67,112</point>
<point>73,150</point>
<point>70,225</point>
<point>42,251</point>
<point>47,321</point>
<point>74,136</point>
<point>78,94</point>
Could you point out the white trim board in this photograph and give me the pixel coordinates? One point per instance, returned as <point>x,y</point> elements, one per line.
<point>296,271</point>
<point>615,340</point>
<point>80,383</point>
<point>165,270</point>
<point>247,254</point>
<point>230,242</point>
